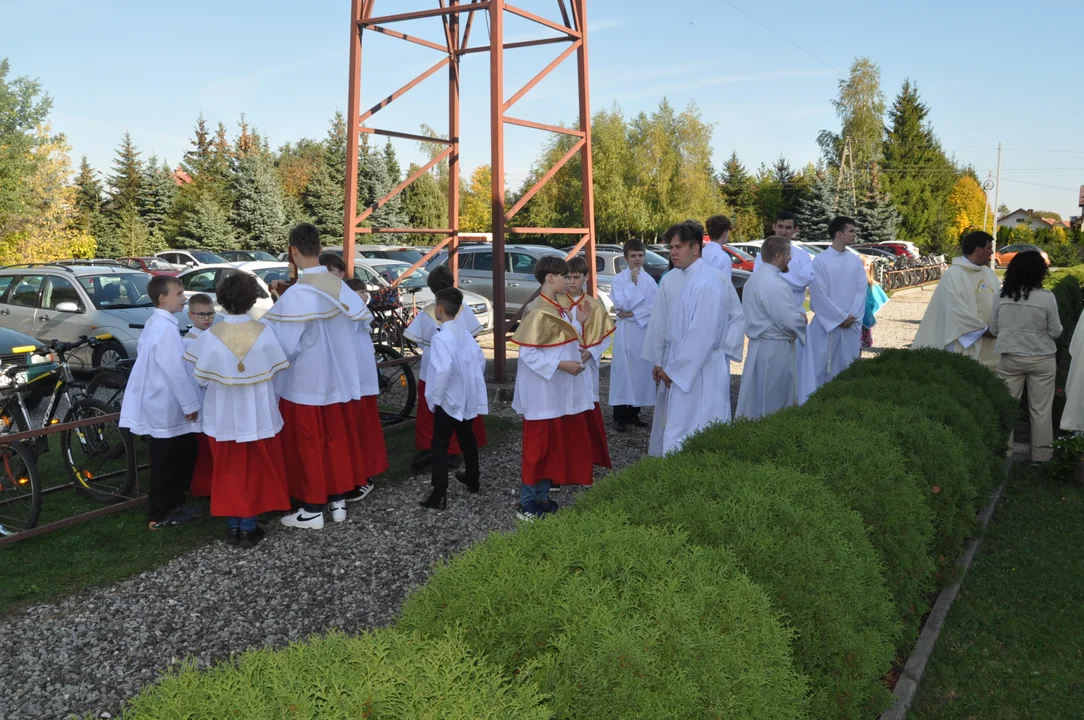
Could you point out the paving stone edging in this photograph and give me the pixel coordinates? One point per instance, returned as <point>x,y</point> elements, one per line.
<point>907,686</point>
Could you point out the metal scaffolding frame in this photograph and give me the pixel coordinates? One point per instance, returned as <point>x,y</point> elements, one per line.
<point>573,31</point>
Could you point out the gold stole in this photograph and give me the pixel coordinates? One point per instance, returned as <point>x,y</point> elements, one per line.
<point>543,326</point>
<point>598,327</point>
<point>239,338</point>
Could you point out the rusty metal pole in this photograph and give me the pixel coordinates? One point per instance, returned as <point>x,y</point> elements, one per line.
<point>359,9</point>
<point>496,87</point>
<point>579,8</point>
<point>453,135</point>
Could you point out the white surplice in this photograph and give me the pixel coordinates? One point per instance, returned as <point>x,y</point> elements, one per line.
<point>960,312</point>
<point>713,254</point>
<point>839,290</point>
<point>424,326</point>
<point>160,390</point>
<point>776,330</point>
<point>542,392</point>
<point>317,322</point>
<point>1072,417</point>
<point>189,339</point>
<point>695,329</point>
<point>799,276</point>
<point>457,368</point>
<point>630,375</point>
<point>241,404</point>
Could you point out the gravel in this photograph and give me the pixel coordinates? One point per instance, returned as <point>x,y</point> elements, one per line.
<point>90,651</point>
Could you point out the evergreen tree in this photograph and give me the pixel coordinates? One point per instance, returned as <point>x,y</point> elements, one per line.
<point>258,213</point>
<point>738,187</point>
<point>424,204</point>
<point>373,184</point>
<point>916,171</point>
<point>206,225</point>
<point>823,202</point>
<point>878,219</point>
<point>88,198</point>
<point>322,202</point>
<point>156,196</point>
<point>198,160</point>
<point>126,182</point>
<point>394,207</point>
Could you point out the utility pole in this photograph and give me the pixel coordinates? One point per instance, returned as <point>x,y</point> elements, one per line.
<point>986,188</point>
<point>997,204</point>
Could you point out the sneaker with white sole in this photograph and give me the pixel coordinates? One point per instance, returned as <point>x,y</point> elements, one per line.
<point>359,493</point>
<point>337,508</point>
<point>304,519</point>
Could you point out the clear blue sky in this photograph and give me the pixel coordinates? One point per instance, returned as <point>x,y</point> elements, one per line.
<point>991,71</point>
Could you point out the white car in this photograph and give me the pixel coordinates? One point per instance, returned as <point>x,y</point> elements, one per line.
<point>822,246</point>
<point>189,258</point>
<point>205,279</point>
<point>752,247</point>
<point>414,289</point>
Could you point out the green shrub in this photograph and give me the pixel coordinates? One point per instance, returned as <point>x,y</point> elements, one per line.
<point>617,621</point>
<point>952,472</point>
<point>386,674</point>
<point>796,540</point>
<point>866,473</point>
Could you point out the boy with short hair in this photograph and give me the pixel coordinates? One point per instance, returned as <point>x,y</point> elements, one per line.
<point>631,384</point>
<point>334,264</point>
<point>201,311</point>
<point>236,362</point>
<point>595,337</point>
<point>552,392</point>
<point>421,331</point>
<point>455,395</point>
<point>163,403</point>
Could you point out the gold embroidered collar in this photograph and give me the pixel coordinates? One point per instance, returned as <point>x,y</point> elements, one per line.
<point>239,338</point>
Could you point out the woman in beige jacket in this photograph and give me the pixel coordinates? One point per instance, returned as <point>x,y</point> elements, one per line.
<point>1026,322</point>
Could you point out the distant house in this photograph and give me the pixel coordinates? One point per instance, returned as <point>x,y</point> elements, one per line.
<point>181,177</point>
<point>1029,218</point>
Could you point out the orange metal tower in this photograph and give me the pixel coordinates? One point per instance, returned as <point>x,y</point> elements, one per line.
<point>571,31</point>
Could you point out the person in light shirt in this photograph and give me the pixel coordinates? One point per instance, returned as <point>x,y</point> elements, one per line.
<point>838,299</point>
<point>631,384</point>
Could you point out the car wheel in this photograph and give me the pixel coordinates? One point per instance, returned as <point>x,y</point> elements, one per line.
<point>109,353</point>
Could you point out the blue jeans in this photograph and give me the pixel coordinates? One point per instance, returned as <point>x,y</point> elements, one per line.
<point>247,524</point>
<point>534,493</point>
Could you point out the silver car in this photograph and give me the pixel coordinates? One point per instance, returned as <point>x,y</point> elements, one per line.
<point>66,302</point>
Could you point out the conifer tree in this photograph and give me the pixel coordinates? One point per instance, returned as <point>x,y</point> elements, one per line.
<point>258,213</point>
<point>206,225</point>
<point>878,219</point>
<point>198,159</point>
<point>126,182</point>
<point>374,183</point>
<point>424,204</point>
<point>156,196</point>
<point>88,198</point>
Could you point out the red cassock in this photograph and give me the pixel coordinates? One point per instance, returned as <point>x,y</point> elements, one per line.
<point>553,449</point>
<point>201,476</point>
<point>423,427</point>
<point>369,436</point>
<point>249,478</point>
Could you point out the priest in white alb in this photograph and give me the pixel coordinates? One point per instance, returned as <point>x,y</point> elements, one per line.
<point>959,314</point>
<point>777,332</point>
<point>695,330</point>
<point>838,299</point>
<point>799,275</point>
<point>633,294</point>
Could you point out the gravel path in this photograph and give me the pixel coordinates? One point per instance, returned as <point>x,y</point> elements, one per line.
<point>88,652</point>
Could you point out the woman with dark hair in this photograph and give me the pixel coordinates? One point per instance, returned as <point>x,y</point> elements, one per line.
<point>1026,322</point>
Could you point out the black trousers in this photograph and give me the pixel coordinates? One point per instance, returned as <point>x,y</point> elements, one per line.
<point>443,427</point>
<point>625,413</point>
<point>172,462</point>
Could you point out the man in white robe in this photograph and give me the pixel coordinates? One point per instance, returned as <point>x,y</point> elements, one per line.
<point>959,314</point>
<point>631,384</point>
<point>1072,417</point>
<point>800,276</point>
<point>776,330</point>
<point>695,329</point>
<point>718,227</point>
<point>838,299</point>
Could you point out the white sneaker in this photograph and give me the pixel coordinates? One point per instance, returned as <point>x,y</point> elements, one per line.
<point>303,519</point>
<point>338,510</point>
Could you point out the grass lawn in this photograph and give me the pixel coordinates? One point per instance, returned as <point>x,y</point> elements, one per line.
<point>108,549</point>
<point>1013,644</point>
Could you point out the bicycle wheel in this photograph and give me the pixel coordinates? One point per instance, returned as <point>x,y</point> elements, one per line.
<point>100,457</point>
<point>108,387</point>
<point>20,489</point>
<point>398,389</point>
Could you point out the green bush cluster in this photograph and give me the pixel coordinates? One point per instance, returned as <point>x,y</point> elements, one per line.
<point>618,621</point>
<point>769,569</point>
<point>386,674</point>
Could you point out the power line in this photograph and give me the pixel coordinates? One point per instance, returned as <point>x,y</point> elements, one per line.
<point>782,37</point>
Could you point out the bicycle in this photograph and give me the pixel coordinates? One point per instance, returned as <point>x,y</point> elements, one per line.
<point>109,381</point>
<point>100,458</point>
<point>20,485</point>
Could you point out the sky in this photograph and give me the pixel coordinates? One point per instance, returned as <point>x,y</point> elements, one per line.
<point>763,72</point>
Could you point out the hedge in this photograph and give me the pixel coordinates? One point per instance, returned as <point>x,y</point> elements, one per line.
<point>796,540</point>
<point>866,473</point>
<point>617,621</point>
<point>382,675</point>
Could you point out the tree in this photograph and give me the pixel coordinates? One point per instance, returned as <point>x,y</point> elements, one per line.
<point>206,225</point>
<point>258,213</point>
<point>24,109</point>
<point>424,204</point>
<point>475,206</point>
<point>126,182</point>
<point>877,217</point>
<point>156,197</point>
<point>198,160</point>
<point>374,183</point>
<point>967,202</point>
<point>917,173</point>
<point>818,208</point>
<point>740,194</point>
<point>323,199</point>
<point>860,107</point>
<point>88,198</point>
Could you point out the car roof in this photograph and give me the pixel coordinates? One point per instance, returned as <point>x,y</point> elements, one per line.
<point>78,270</point>
<point>339,248</point>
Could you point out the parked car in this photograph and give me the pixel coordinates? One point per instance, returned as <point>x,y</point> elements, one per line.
<point>610,260</point>
<point>205,279</point>
<point>416,292</point>
<point>897,249</point>
<point>910,247</point>
<point>739,273</point>
<point>37,366</point>
<point>476,273</point>
<point>1005,255</point>
<point>824,245</point>
<point>235,256</point>
<point>190,258</point>
<point>87,261</point>
<point>152,265</point>
<point>68,301</point>
<point>405,253</point>
<point>752,247</point>
<point>741,259</point>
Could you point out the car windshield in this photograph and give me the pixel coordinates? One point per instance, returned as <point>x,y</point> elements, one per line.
<point>156,264</point>
<point>271,274</point>
<point>742,254</point>
<point>207,258</point>
<point>416,279</point>
<point>262,256</point>
<point>408,255</point>
<point>117,292</point>
<point>653,259</point>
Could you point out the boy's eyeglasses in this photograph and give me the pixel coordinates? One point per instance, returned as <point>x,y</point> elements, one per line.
<point>202,315</point>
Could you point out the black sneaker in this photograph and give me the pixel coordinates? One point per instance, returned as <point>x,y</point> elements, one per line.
<point>547,507</point>
<point>621,427</point>
<point>192,511</point>
<point>421,459</point>
<point>529,513</point>
<point>471,481</point>
<point>233,536</point>
<point>638,422</point>
<point>358,493</point>
<point>172,520</point>
<point>250,538</point>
